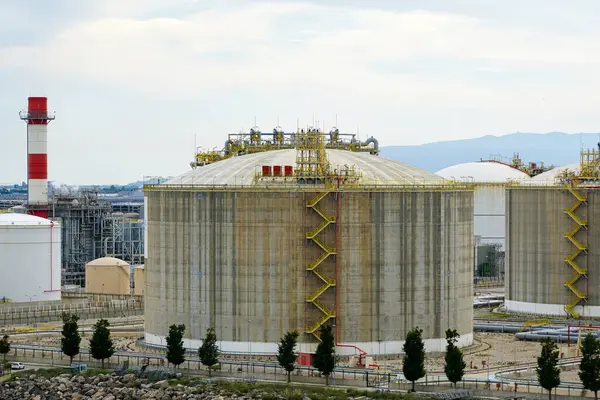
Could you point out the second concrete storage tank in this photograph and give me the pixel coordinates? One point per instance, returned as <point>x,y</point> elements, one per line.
<point>256,258</point>
<point>552,259</point>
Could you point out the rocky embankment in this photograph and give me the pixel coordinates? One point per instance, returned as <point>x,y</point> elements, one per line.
<point>40,386</point>
<point>107,387</point>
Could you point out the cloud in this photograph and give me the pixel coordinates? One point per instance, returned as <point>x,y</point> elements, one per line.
<point>270,45</point>
<point>447,69</point>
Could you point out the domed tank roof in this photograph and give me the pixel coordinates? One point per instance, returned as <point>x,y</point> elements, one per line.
<point>107,262</point>
<point>483,171</point>
<point>24,219</point>
<point>241,170</point>
<point>549,176</point>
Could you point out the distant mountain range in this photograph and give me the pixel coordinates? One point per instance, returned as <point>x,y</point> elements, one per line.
<point>551,148</point>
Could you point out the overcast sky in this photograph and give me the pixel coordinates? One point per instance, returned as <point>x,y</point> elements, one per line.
<point>133,81</point>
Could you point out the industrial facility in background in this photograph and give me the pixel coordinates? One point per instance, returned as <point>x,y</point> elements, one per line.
<point>255,141</point>
<point>530,168</point>
<point>92,224</point>
<point>307,236</point>
<point>553,221</point>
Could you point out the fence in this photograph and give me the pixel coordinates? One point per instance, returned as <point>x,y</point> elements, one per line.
<point>256,370</point>
<point>488,282</point>
<point>27,315</point>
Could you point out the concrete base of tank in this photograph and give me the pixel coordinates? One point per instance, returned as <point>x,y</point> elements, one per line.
<point>372,348</point>
<point>548,309</point>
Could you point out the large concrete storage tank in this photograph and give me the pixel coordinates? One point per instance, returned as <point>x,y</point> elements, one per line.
<point>490,179</point>
<point>552,226</point>
<point>30,249</point>
<point>255,259</point>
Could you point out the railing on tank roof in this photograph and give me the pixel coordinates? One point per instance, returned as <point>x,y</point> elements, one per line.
<point>556,183</point>
<point>364,186</point>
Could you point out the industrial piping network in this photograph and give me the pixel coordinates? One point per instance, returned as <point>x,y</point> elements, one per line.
<point>557,333</point>
<point>255,141</point>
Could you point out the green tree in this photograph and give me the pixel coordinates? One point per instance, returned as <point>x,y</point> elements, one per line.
<point>175,349</point>
<point>548,373</point>
<point>4,346</point>
<point>101,344</point>
<point>589,368</point>
<point>454,364</point>
<point>324,359</point>
<point>286,354</point>
<point>209,351</point>
<point>70,335</point>
<point>413,362</point>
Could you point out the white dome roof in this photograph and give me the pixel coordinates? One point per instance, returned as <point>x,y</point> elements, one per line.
<point>24,219</point>
<point>483,171</point>
<point>240,170</point>
<point>550,175</point>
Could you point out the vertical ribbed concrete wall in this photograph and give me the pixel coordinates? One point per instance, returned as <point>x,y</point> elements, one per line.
<point>237,261</point>
<point>536,248</point>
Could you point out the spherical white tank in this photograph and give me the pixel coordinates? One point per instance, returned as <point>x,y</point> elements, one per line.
<point>30,254</point>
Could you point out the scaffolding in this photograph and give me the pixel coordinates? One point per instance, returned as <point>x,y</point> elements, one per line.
<point>90,230</point>
<point>123,238</point>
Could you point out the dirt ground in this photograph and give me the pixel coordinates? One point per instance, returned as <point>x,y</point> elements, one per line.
<point>494,349</point>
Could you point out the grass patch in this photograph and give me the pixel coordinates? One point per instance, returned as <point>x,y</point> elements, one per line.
<point>43,373</point>
<point>270,391</point>
<point>49,373</point>
<point>96,371</point>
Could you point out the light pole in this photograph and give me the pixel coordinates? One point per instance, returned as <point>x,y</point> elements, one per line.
<point>249,350</point>
<point>335,355</point>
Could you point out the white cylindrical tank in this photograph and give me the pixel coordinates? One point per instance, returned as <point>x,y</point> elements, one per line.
<point>30,248</point>
<point>490,179</point>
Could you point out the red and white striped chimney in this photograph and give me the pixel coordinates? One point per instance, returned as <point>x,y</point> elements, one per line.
<point>37,118</point>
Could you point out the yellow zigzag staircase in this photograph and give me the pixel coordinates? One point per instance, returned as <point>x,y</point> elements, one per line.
<point>312,267</point>
<point>579,248</point>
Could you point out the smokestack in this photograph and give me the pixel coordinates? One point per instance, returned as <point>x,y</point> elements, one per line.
<point>37,118</point>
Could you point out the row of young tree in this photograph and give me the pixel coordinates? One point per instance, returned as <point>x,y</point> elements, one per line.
<point>324,358</point>
<point>102,348</point>
<point>101,344</point>
<point>548,370</point>
<point>413,362</point>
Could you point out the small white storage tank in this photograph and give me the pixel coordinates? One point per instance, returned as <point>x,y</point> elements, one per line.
<point>490,216</point>
<point>30,249</point>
